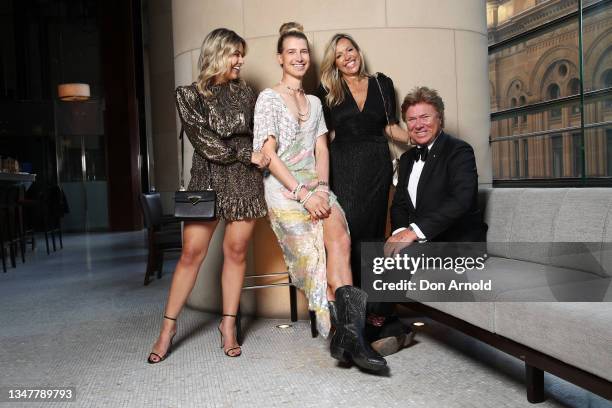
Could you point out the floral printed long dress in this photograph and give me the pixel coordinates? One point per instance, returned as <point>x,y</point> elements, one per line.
<point>300,239</point>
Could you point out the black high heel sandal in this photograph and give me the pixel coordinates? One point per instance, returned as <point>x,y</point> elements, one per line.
<point>227,351</point>
<point>162,358</point>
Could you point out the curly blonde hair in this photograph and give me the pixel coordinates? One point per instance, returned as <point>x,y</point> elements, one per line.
<point>331,79</point>
<point>215,52</point>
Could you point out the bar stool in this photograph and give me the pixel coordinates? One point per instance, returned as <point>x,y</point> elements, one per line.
<point>2,248</point>
<point>3,229</point>
<point>15,194</point>
<point>11,236</point>
<point>53,212</point>
<point>292,301</point>
<point>164,233</point>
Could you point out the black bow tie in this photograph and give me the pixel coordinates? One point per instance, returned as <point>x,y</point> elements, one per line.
<point>421,153</point>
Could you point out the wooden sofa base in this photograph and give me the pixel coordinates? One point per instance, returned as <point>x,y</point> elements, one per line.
<point>535,362</point>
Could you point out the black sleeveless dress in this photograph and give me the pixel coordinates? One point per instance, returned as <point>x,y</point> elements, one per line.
<point>360,163</point>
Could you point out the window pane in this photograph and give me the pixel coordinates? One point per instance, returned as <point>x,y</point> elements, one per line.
<point>577,154</point>
<point>509,18</point>
<point>597,109</point>
<point>533,120</point>
<point>535,68</point>
<point>597,151</point>
<point>597,38</point>
<point>543,157</point>
<point>609,152</point>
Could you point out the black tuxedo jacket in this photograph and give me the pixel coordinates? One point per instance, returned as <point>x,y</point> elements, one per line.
<point>447,194</point>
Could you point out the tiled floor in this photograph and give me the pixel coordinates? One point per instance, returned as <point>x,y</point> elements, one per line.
<point>81,317</point>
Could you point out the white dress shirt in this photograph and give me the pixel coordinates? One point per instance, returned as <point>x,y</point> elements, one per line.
<point>413,183</point>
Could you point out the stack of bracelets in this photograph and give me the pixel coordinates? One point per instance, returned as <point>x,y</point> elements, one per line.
<point>322,187</point>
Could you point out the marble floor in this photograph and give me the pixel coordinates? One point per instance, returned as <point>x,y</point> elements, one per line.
<point>81,318</point>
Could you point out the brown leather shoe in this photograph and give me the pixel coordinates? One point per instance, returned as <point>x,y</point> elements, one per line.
<point>392,344</point>
<point>392,336</point>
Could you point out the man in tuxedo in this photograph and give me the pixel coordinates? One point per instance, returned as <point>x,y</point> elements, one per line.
<point>436,199</point>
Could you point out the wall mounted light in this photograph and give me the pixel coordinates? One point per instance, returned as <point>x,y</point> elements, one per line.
<point>73,92</point>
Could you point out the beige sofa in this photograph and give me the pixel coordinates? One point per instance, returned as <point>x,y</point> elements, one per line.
<point>544,246</point>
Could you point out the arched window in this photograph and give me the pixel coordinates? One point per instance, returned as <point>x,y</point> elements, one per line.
<point>554,92</point>
<point>573,88</point>
<point>607,83</point>
<point>523,102</point>
<point>607,78</point>
<point>515,117</point>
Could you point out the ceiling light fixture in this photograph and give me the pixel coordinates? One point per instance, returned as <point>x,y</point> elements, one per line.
<point>73,92</point>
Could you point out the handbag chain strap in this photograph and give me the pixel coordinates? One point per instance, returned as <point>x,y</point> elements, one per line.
<point>182,137</point>
<point>382,95</point>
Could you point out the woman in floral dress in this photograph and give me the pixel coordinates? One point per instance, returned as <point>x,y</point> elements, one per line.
<point>310,225</point>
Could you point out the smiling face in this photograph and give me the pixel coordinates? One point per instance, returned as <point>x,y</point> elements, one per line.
<point>234,65</point>
<point>347,60</point>
<point>295,58</point>
<point>423,122</point>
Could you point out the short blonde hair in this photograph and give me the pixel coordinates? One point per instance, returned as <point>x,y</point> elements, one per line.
<point>330,77</point>
<point>215,52</point>
<point>423,94</point>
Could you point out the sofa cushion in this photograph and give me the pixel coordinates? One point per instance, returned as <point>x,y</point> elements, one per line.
<point>598,289</point>
<point>580,228</point>
<point>535,217</point>
<point>579,334</point>
<point>499,216</point>
<point>506,275</point>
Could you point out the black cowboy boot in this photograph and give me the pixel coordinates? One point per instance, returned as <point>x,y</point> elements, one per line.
<point>348,342</point>
<point>333,314</point>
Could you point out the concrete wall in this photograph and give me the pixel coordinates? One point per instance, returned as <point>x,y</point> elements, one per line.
<point>438,43</point>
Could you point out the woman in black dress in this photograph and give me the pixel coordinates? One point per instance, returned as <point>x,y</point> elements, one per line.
<point>361,110</point>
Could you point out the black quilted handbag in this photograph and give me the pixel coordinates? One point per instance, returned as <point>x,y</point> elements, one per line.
<point>194,205</point>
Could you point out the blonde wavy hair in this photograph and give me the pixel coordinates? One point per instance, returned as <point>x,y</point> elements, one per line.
<point>215,52</point>
<point>331,79</point>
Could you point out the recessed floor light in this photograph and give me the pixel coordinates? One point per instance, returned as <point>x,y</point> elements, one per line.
<point>284,326</point>
<point>418,324</point>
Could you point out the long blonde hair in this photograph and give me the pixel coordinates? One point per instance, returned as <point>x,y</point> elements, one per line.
<point>215,52</point>
<point>331,79</point>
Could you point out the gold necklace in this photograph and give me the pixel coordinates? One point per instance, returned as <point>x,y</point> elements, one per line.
<point>304,116</point>
<point>298,90</point>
